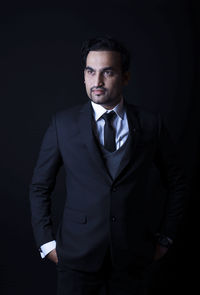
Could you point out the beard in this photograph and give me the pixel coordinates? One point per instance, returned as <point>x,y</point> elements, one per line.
<point>105,99</point>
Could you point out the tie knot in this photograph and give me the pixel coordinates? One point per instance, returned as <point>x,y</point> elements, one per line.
<point>108,117</point>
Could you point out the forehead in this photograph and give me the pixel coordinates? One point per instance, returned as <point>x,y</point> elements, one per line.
<point>100,59</point>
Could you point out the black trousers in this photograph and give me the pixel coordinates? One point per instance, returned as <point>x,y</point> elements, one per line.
<point>106,281</point>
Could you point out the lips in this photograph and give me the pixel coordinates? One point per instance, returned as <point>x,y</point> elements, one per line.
<point>98,91</point>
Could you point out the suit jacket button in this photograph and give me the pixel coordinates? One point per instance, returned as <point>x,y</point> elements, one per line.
<point>114,189</point>
<point>113,218</point>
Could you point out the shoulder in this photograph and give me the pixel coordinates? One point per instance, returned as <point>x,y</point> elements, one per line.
<point>68,116</point>
<point>141,111</point>
<point>69,113</point>
<point>66,120</point>
<point>146,118</point>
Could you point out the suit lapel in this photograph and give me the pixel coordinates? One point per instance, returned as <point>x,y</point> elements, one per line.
<point>134,131</point>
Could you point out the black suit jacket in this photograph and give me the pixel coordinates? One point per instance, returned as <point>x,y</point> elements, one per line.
<point>100,212</point>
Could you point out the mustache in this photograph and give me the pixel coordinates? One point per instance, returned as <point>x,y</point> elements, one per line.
<point>98,88</point>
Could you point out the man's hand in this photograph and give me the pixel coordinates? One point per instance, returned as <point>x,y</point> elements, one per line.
<point>160,252</point>
<point>53,256</point>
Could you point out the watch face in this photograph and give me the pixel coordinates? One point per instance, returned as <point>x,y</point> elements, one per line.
<point>164,242</point>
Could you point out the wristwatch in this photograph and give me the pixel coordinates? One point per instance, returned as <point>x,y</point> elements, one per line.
<point>164,240</point>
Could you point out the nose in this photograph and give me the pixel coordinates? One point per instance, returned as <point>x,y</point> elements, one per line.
<point>99,80</point>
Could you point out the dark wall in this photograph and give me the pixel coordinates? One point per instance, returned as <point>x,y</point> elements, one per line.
<point>41,73</point>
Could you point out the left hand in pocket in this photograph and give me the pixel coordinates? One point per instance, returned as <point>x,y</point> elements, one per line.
<point>160,252</point>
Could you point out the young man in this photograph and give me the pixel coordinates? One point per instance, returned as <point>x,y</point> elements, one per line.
<point>112,229</point>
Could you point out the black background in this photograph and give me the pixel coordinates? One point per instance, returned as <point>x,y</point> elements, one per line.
<point>41,73</point>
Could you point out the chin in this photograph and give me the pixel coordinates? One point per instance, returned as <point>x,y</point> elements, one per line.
<point>98,100</point>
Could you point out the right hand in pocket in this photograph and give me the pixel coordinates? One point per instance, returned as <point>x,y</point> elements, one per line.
<point>53,256</point>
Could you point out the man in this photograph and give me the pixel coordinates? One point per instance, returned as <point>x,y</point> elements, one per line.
<point>112,228</point>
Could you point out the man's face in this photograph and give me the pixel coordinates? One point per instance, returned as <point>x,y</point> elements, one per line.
<point>104,79</point>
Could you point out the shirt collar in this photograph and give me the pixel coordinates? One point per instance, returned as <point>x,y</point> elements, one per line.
<point>99,110</point>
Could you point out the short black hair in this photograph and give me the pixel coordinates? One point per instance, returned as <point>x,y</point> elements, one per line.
<point>105,43</point>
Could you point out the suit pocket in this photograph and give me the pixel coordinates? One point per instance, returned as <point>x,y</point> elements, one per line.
<point>75,215</point>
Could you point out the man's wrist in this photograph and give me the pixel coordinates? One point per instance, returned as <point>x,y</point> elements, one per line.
<point>164,240</point>
<point>46,248</point>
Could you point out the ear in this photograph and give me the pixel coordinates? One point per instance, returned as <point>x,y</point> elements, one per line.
<point>126,77</point>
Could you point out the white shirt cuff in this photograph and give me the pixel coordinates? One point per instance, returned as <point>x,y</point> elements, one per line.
<point>46,248</point>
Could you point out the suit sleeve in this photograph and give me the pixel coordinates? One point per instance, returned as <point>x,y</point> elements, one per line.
<point>42,185</point>
<point>173,176</point>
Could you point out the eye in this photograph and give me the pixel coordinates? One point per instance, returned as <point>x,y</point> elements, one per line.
<point>89,71</point>
<point>108,73</point>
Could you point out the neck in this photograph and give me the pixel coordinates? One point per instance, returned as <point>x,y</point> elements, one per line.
<point>111,106</point>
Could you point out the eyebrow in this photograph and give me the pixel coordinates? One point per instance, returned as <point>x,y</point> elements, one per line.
<point>89,68</point>
<point>104,69</point>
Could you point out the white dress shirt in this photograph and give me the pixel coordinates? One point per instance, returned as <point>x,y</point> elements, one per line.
<point>120,124</point>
